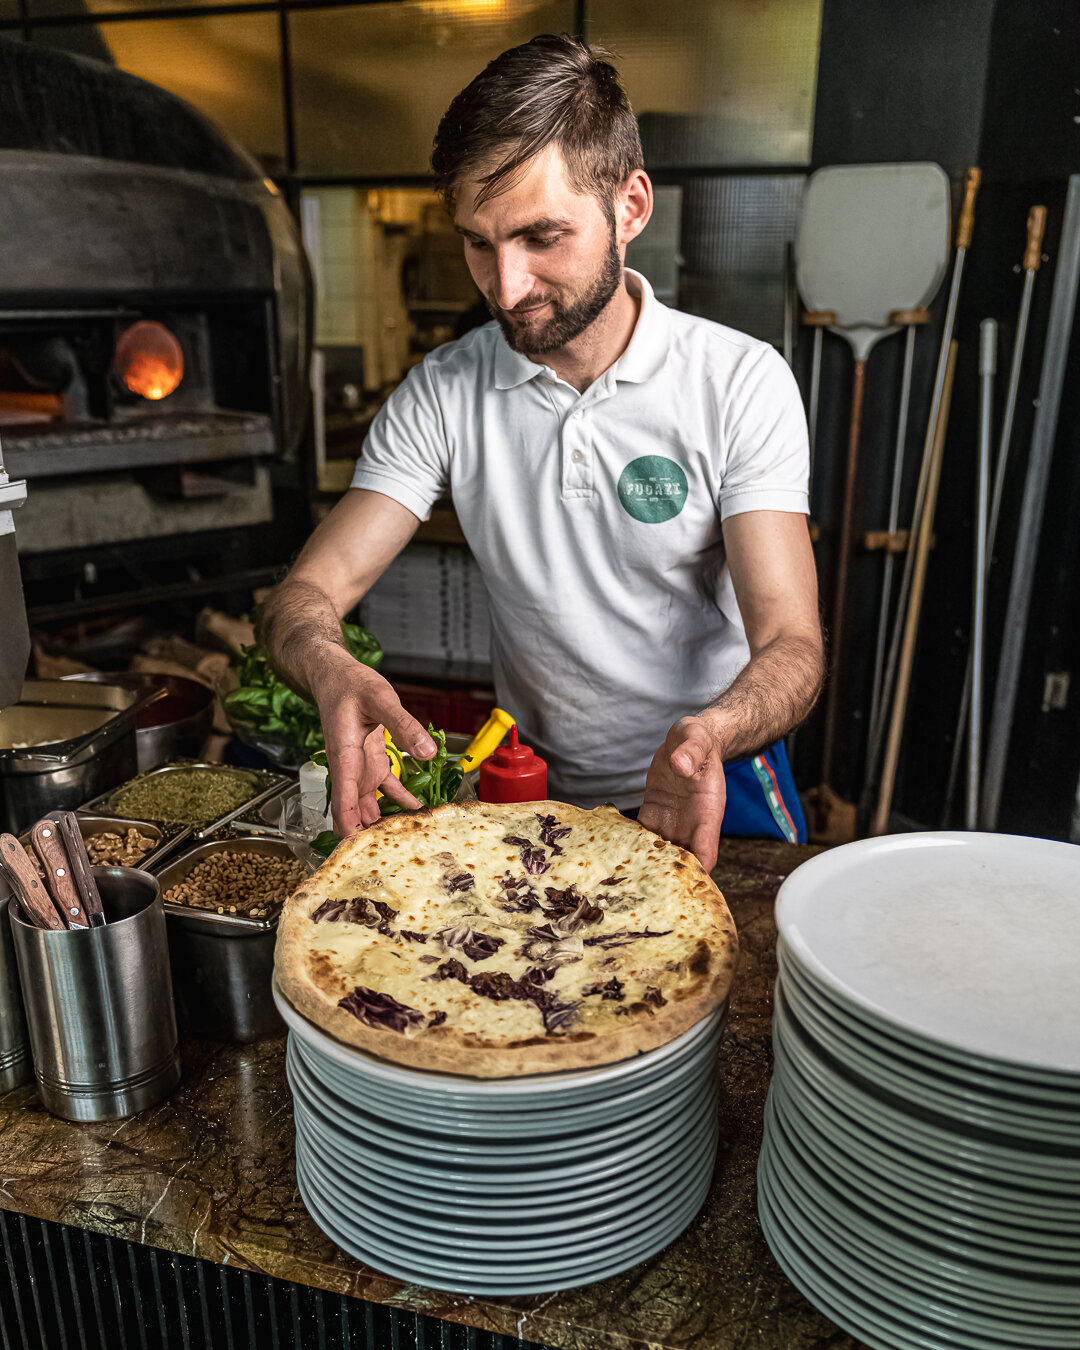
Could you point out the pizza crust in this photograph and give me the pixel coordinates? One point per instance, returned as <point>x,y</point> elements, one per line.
<point>405,864</point>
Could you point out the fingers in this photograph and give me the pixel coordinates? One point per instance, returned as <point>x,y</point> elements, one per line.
<point>407,733</point>
<point>390,787</point>
<point>693,749</point>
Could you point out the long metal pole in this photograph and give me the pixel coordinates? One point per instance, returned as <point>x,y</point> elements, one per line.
<point>894,520</point>
<point>963,241</point>
<point>1058,332</point>
<point>987,370</point>
<point>1036,226</point>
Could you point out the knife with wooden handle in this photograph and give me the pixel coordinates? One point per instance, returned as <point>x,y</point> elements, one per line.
<point>34,898</point>
<point>81,873</point>
<point>53,857</point>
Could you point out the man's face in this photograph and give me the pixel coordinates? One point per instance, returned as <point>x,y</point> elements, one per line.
<point>544,256</point>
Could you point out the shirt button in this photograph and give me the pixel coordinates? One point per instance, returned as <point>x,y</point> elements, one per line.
<point>577,457</point>
<point>576,415</point>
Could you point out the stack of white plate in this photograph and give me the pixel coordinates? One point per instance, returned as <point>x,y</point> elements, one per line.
<point>919,1177</point>
<point>519,1185</point>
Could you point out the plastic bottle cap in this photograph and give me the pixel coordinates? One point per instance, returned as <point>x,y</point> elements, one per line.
<point>513,773</point>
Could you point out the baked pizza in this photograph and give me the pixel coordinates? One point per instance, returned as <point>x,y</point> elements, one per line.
<point>498,940</point>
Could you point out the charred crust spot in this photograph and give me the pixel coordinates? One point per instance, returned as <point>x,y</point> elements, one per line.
<point>699,962</point>
<point>532,1040</point>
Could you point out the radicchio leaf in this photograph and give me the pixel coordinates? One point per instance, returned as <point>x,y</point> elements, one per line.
<point>477,946</point>
<point>518,895</point>
<point>329,909</point>
<point>499,986</point>
<point>531,855</point>
<point>623,936</point>
<point>551,832</point>
<point>570,910</point>
<point>413,937</point>
<point>653,996</point>
<point>613,989</point>
<point>436,1019</point>
<point>463,881</point>
<point>549,948</point>
<point>449,970</point>
<point>381,1011</point>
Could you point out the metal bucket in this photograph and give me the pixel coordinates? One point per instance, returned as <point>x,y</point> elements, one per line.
<point>15,1066</point>
<point>99,1004</point>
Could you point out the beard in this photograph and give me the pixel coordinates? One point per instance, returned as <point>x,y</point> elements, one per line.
<point>568,319</point>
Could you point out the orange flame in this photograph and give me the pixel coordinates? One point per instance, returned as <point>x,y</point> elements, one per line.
<point>149,360</point>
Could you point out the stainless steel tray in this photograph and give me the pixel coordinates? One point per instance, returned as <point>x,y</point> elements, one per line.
<point>264,784</point>
<point>168,841</point>
<point>170,872</point>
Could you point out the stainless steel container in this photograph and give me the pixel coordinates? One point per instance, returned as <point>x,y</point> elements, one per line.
<point>99,1004</point>
<point>172,727</point>
<point>15,1066</point>
<point>223,964</point>
<point>89,826</point>
<point>261,782</point>
<point>62,743</point>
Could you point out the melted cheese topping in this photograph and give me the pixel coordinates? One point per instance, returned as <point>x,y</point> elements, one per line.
<point>410,871</point>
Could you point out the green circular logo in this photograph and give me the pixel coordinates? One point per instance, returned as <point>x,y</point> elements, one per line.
<point>652,489</point>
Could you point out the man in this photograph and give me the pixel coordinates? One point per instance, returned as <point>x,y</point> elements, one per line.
<point>607,457</point>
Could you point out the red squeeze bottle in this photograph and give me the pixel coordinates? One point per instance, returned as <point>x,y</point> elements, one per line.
<point>512,773</point>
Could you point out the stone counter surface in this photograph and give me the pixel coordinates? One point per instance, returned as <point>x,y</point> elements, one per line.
<point>209,1173</point>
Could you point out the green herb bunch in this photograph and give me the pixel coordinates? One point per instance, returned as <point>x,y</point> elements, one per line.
<point>266,706</point>
<point>433,782</point>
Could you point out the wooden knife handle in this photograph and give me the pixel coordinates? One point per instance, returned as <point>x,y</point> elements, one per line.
<point>82,875</point>
<point>33,896</point>
<point>45,837</point>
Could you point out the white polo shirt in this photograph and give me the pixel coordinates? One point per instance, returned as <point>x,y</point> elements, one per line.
<point>594,518</point>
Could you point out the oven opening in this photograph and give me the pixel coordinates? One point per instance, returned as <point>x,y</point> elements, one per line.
<point>149,361</point>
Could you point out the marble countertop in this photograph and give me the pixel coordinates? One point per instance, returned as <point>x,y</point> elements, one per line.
<point>210,1173</point>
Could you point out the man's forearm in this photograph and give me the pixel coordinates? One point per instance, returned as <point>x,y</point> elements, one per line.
<point>772,694</point>
<point>298,627</point>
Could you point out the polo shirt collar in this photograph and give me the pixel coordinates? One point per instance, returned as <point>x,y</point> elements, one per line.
<point>643,358</point>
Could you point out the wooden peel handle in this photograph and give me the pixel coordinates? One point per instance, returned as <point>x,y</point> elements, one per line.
<point>35,900</point>
<point>1036,225</point>
<point>967,215</point>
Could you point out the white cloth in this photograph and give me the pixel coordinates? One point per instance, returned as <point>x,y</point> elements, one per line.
<point>594,518</point>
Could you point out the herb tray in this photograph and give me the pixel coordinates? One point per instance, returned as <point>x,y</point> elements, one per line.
<point>260,784</point>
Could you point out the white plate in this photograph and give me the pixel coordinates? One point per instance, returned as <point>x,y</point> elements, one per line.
<point>1000,1204</point>
<point>866,1226</point>
<point>837,1287</point>
<point>493,1275</point>
<point>641,1155</point>
<point>497,1208</point>
<point>1034,1167</point>
<point>448,1118</point>
<point>925,1278</point>
<point>935,1094</point>
<point>410,1142</point>
<point>1034,1091</point>
<point>577,1081</point>
<point>916,1215</point>
<point>967,940</point>
<point>370,1211</point>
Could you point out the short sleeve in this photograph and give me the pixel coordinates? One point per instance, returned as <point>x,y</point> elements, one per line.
<point>405,454</point>
<point>767,462</point>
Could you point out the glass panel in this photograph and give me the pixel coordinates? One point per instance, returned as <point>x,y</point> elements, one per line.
<point>716,83</point>
<point>734,237</point>
<point>228,66</point>
<point>371,83</point>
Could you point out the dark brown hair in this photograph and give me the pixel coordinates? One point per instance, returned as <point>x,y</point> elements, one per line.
<point>552,90</point>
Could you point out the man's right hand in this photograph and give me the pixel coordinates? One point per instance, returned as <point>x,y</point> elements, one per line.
<point>355,704</point>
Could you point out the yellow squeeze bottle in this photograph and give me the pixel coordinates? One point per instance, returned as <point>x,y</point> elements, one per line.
<point>487,739</point>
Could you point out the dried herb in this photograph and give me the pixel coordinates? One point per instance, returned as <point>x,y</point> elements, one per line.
<point>186,796</point>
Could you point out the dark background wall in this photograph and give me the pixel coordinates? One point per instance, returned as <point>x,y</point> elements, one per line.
<point>969,83</point>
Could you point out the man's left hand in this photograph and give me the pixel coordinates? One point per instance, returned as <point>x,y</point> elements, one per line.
<point>685,791</point>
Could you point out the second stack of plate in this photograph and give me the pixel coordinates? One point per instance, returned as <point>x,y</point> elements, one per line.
<point>520,1185</point>
<point>920,1174</point>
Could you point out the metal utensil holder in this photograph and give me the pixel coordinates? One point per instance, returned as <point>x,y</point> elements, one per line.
<point>99,1004</point>
<point>15,1065</point>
